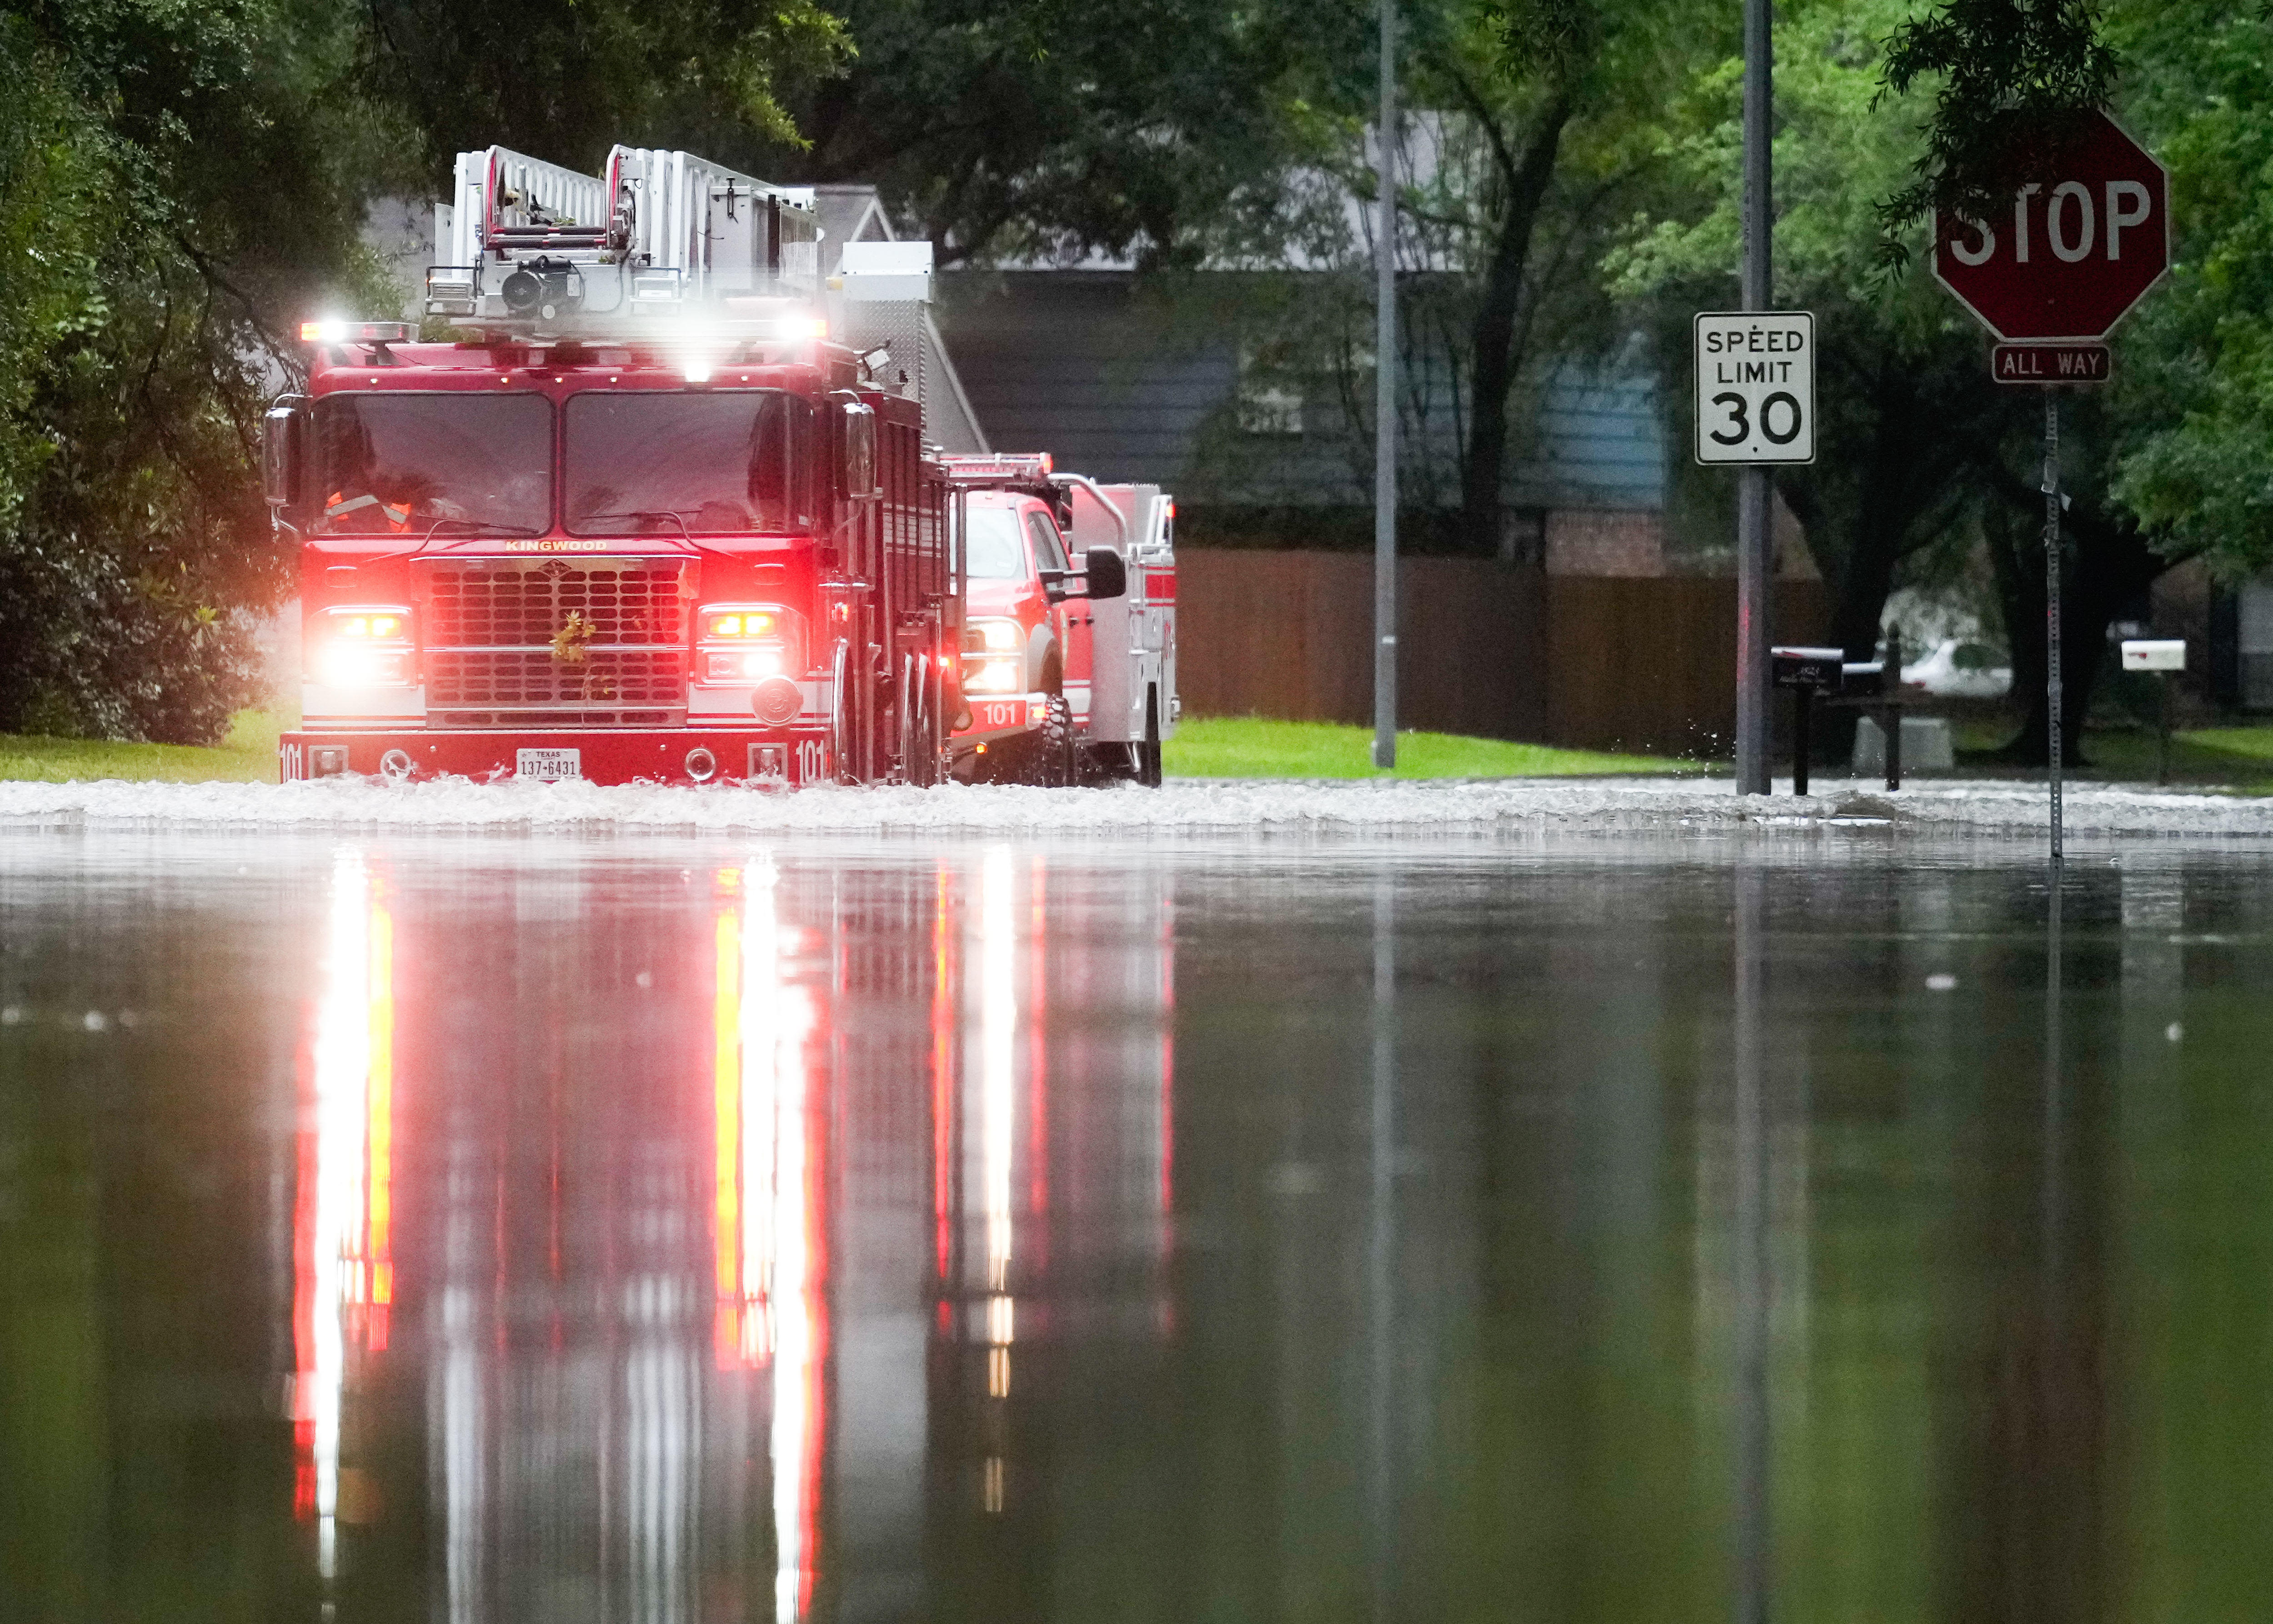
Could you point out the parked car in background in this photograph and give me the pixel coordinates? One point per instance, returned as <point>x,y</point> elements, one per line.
<point>1956,668</point>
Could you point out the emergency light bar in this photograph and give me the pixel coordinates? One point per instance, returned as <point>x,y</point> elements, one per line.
<point>1034,467</point>
<point>355,332</point>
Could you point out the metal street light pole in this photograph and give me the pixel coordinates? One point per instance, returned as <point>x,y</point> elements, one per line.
<point>1754,556</point>
<point>1384,407</point>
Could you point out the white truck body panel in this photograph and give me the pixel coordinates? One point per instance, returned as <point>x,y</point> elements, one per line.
<point>1132,638</point>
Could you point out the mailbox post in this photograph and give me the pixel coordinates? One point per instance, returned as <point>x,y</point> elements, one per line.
<point>1874,687</point>
<point>2162,655</point>
<point>1807,673</point>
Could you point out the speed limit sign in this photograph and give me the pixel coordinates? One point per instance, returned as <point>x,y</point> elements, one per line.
<point>1756,388</point>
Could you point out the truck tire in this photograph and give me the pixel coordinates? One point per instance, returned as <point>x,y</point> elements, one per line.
<point>841,719</point>
<point>1148,753</point>
<point>918,749</point>
<point>1053,765</point>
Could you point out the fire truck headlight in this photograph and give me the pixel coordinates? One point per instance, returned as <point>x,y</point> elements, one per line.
<point>741,666</point>
<point>346,665</point>
<point>364,648</point>
<point>997,675</point>
<point>994,637</point>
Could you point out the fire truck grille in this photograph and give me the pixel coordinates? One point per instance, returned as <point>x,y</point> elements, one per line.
<point>525,677</point>
<point>547,643</point>
<point>490,608</point>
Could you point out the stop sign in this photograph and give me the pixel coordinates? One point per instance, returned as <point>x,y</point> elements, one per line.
<point>2072,253</point>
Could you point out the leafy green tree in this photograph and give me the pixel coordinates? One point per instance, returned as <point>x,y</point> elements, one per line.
<point>2008,76</point>
<point>2173,458</point>
<point>1036,130</point>
<point>176,184</point>
<point>2196,384</point>
<point>1902,393</point>
<point>1920,455</point>
<point>567,79</point>
<point>1517,153</point>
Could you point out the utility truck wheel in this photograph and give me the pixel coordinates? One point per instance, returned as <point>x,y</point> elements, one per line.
<point>1148,753</point>
<point>1052,766</point>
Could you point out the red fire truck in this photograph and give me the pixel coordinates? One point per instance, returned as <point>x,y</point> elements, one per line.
<point>649,516</point>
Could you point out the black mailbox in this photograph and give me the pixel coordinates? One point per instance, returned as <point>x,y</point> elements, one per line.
<point>1809,671</point>
<point>1866,679</point>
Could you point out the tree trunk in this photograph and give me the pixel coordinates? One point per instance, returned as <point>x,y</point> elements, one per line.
<point>1494,359</point>
<point>2110,563</point>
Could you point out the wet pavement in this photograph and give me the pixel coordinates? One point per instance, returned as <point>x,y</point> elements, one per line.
<point>1085,1227</point>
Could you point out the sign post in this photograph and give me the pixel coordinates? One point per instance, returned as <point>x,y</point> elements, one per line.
<point>1756,290</point>
<point>2081,246</point>
<point>1384,408</point>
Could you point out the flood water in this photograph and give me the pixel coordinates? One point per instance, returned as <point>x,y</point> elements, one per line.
<point>645,1230</point>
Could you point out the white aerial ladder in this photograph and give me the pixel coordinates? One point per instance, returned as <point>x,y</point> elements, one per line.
<point>534,250</point>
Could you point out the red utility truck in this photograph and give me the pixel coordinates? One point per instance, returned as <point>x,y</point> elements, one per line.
<point>1060,689</point>
<point>648,517</point>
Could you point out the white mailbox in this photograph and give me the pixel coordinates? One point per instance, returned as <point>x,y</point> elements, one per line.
<point>2154,654</point>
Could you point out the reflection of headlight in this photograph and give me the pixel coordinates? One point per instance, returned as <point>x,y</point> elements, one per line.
<point>347,666</point>
<point>996,675</point>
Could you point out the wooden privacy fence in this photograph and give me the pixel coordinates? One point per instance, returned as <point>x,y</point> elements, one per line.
<point>1644,662</point>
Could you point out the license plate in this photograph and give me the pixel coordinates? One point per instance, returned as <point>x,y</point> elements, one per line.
<point>548,764</point>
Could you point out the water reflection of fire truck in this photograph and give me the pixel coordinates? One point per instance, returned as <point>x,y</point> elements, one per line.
<point>730,1302</point>
<point>650,517</point>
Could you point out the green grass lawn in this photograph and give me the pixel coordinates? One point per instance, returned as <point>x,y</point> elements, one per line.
<point>2240,758</point>
<point>2234,758</point>
<point>247,755</point>
<point>1255,748</point>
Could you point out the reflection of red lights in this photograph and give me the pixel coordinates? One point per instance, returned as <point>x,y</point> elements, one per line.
<point>379,1129</point>
<point>770,1210</point>
<point>1168,1063</point>
<point>942,1080</point>
<point>1038,1064</point>
<point>727,1011</point>
<point>343,1213</point>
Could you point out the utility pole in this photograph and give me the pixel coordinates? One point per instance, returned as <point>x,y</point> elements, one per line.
<point>1384,406</point>
<point>1754,555</point>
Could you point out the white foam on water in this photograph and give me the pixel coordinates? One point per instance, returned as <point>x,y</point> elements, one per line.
<point>1383,806</point>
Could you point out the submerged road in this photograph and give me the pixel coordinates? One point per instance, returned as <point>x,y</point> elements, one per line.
<point>1403,808</point>
<point>1081,1224</point>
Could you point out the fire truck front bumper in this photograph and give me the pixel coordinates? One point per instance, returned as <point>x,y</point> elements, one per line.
<point>699,755</point>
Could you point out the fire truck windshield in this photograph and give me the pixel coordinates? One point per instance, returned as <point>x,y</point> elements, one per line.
<point>405,464</point>
<point>996,551</point>
<point>724,462</point>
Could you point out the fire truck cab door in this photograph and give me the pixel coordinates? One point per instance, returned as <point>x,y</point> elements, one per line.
<point>1071,619</point>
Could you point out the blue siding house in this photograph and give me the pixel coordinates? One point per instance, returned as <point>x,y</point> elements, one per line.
<point>1123,383</point>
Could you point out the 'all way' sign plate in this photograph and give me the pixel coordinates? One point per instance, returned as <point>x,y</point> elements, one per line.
<point>1756,388</point>
<point>2049,363</point>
